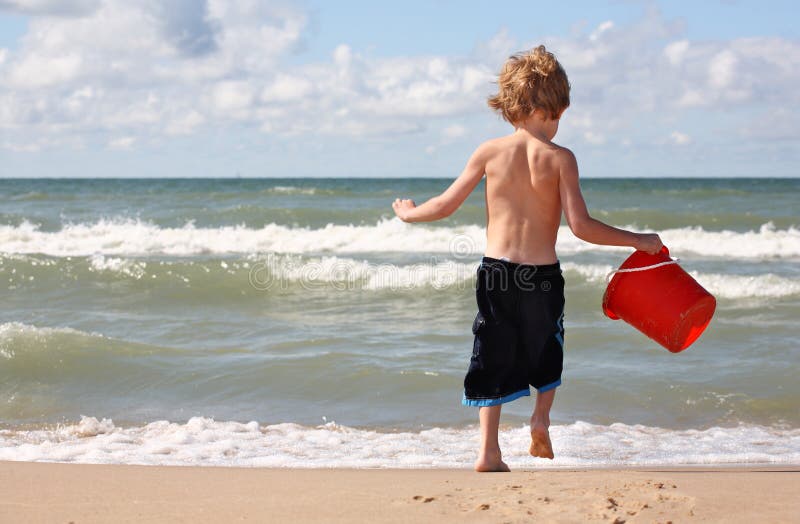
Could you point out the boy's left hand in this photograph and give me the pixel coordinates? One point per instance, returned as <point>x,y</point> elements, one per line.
<point>402,207</point>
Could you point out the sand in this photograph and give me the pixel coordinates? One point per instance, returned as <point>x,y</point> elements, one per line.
<point>87,493</point>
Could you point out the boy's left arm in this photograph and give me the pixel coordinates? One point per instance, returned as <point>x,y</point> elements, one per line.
<point>444,205</point>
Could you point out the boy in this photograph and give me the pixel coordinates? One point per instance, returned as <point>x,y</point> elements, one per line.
<point>520,292</point>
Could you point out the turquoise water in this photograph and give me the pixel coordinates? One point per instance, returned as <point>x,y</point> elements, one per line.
<point>305,302</point>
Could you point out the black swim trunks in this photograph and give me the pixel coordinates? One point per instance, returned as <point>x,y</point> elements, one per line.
<point>519,332</point>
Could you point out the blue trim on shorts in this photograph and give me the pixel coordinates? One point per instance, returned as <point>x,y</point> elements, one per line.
<point>550,386</point>
<point>560,327</point>
<point>486,402</point>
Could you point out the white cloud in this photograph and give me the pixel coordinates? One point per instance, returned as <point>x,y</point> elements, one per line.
<point>51,7</point>
<point>79,99</point>
<point>778,124</point>
<point>184,124</point>
<point>594,138</point>
<point>679,138</point>
<point>285,88</point>
<point>629,75</point>
<point>42,71</point>
<point>18,147</point>
<point>476,78</point>
<point>722,68</point>
<point>454,131</point>
<point>676,51</point>
<point>602,28</point>
<point>691,98</point>
<point>174,67</point>
<point>141,67</point>
<point>136,69</point>
<point>232,96</point>
<point>123,142</point>
<point>423,87</point>
<point>342,55</point>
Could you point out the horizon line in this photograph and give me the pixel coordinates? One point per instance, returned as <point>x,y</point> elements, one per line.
<point>234,177</point>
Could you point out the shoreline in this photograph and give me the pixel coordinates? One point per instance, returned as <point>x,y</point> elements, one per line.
<point>207,442</point>
<point>86,493</point>
<point>540,466</point>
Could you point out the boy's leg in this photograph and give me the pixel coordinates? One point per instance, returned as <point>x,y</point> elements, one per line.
<point>540,424</point>
<point>489,457</point>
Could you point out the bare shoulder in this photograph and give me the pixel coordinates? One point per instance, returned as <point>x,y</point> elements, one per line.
<point>561,152</point>
<point>564,158</point>
<point>488,150</point>
<point>491,146</point>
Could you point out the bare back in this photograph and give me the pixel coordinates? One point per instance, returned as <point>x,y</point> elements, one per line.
<point>523,205</point>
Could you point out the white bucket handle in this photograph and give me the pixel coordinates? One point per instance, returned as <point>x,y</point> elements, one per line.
<point>643,268</point>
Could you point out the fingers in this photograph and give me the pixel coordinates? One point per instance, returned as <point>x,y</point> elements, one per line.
<point>657,245</point>
<point>650,243</point>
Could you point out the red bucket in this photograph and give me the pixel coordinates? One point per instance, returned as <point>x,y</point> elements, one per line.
<point>659,299</point>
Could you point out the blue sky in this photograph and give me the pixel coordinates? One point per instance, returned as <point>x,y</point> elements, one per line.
<point>226,88</point>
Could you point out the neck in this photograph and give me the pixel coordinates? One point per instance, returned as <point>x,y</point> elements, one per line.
<point>536,131</point>
<point>537,127</point>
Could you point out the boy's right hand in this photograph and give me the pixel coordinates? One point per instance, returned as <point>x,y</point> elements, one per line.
<point>649,243</point>
<point>402,207</point>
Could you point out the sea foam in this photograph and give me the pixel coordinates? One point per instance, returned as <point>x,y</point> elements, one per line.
<point>348,273</point>
<point>206,442</point>
<point>765,285</point>
<point>136,237</point>
<point>339,273</point>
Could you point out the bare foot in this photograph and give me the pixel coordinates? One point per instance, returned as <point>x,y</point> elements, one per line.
<point>540,442</point>
<point>494,463</point>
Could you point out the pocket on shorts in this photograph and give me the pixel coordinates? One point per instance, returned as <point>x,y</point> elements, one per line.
<point>478,327</point>
<point>478,324</point>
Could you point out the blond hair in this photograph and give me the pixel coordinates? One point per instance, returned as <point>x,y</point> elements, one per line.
<point>531,80</point>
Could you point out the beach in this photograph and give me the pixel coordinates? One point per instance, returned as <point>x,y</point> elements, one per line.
<point>87,493</point>
<point>291,262</point>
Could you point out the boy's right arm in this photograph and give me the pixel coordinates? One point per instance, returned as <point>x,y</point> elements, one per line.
<point>583,225</point>
<point>444,205</point>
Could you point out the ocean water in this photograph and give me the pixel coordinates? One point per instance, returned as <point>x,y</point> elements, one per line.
<point>295,322</point>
